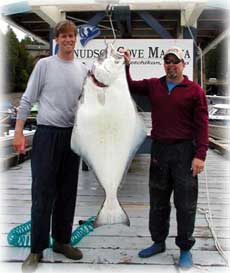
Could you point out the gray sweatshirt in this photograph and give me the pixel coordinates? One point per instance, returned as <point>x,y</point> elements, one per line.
<point>56,85</point>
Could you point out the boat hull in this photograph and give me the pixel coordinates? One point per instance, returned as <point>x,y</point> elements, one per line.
<point>219,131</point>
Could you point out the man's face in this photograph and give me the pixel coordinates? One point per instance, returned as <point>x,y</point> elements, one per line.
<point>173,67</point>
<point>66,42</point>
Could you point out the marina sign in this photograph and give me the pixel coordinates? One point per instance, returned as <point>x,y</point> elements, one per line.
<point>147,54</point>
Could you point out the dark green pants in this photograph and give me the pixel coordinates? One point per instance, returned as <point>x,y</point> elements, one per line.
<point>54,186</point>
<point>170,171</point>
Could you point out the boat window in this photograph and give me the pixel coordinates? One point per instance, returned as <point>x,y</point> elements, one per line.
<point>222,112</point>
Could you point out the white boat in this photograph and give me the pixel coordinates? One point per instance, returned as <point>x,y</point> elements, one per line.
<point>219,121</point>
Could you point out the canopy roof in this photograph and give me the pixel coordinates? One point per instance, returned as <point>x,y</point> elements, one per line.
<point>37,17</point>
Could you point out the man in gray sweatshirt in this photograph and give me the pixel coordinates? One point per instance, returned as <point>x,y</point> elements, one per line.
<point>56,84</point>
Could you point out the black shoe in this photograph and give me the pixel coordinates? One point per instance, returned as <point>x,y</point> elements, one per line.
<point>31,262</point>
<point>67,250</point>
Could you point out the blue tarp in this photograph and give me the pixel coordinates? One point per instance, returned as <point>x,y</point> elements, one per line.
<point>14,8</point>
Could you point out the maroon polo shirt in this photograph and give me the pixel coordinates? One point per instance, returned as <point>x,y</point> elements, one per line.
<point>179,115</point>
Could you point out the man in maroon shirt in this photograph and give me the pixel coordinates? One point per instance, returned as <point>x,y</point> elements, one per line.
<point>179,145</point>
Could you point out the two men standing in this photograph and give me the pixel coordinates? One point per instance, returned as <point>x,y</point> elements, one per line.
<point>179,144</point>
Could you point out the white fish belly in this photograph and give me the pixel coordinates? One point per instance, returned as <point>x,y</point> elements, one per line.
<point>106,135</point>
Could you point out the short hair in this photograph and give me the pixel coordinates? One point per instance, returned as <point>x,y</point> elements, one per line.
<point>65,26</point>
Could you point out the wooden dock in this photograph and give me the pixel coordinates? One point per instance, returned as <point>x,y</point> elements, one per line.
<point>114,248</point>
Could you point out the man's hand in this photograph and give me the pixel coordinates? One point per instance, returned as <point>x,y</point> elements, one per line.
<point>127,56</point>
<point>197,166</point>
<point>19,142</point>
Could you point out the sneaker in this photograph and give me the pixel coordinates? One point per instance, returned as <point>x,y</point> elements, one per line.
<point>185,260</point>
<point>31,262</point>
<point>68,251</point>
<point>152,250</point>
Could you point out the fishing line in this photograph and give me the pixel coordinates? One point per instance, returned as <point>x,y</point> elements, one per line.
<point>109,14</point>
<point>208,216</point>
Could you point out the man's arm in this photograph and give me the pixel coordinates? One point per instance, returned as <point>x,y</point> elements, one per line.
<point>201,134</point>
<point>139,87</point>
<point>30,96</point>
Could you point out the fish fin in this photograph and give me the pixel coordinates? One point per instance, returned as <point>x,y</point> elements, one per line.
<point>111,213</point>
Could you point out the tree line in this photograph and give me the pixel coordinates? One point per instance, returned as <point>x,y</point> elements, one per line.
<point>18,62</point>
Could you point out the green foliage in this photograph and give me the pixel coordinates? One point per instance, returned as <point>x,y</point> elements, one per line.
<point>19,63</point>
<point>27,41</point>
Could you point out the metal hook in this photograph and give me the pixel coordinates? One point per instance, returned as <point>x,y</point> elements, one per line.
<point>108,10</point>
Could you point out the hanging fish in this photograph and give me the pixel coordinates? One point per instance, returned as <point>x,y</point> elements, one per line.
<point>108,130</point>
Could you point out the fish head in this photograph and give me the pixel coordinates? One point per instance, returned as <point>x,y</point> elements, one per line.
<point>109,65</point>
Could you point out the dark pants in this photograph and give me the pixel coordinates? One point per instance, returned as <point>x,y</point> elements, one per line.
<point>170,170</point>
<point>54,186</point>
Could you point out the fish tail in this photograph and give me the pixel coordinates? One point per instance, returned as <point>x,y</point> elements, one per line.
<point>111,213</point>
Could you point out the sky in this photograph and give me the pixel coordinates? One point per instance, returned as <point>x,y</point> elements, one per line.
<point>4,25</point>
<point>20,35</point>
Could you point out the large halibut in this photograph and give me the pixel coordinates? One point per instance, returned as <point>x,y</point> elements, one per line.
<point>108,130</point>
